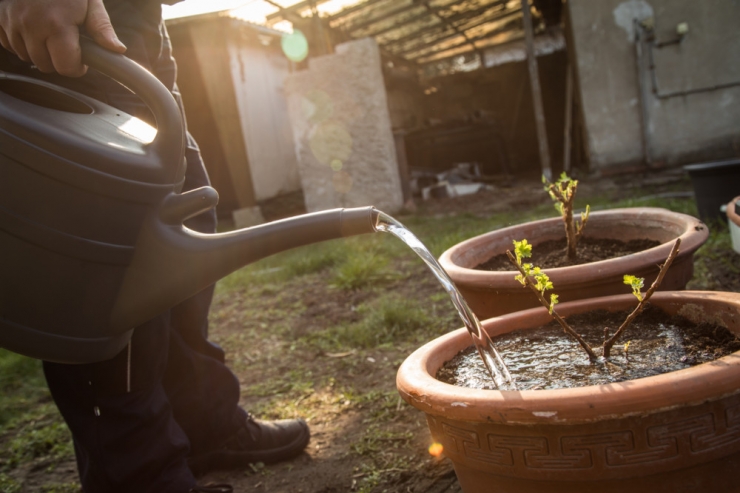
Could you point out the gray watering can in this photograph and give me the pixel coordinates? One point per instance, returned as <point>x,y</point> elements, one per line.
<point>92,241</point>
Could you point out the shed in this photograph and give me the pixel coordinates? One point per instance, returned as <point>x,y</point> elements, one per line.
<point>230,74</point>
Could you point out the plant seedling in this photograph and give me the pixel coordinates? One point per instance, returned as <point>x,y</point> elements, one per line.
<point>538,282</point>
<point>563,192</point>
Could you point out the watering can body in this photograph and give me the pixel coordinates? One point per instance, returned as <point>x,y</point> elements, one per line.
<point>91,229</point>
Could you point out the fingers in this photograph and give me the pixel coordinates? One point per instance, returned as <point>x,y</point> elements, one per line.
<point>65,54</point>
<point>97,25</point>
<point>4,41</point>
<point>46,33</point>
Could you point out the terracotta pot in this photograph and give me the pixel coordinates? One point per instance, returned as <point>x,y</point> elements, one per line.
<point>669,433</point>
<point>490,293</point>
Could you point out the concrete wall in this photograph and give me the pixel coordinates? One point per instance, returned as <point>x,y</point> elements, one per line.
<point>680,129</point>
<point>344,143</point>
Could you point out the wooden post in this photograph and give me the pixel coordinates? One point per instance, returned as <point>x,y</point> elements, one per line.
<point>568,118</point>
<point>534,79</point>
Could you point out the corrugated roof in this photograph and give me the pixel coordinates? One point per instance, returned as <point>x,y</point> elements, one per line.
<point>426,31</point>
<point>441,35</point>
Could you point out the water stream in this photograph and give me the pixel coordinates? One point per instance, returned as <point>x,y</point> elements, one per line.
<point>488,353</point>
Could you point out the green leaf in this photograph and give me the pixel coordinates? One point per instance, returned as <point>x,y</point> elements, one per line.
<point>522,249</point>
<point>636,283</point>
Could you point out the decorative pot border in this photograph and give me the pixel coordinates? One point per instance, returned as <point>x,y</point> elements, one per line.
<point>491,293</point>
<point>653,434</point>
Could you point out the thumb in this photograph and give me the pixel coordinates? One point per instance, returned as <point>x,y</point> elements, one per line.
<point>98,26</point>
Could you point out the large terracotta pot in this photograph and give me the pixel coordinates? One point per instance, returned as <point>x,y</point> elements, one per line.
<point>677,432</point>
<point>490,293</point>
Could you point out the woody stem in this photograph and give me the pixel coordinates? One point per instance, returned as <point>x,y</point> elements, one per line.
<point>566,327</point>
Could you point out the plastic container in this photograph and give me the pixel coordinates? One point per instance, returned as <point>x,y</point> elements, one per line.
<point>733,218</point>
<point>715,183</point>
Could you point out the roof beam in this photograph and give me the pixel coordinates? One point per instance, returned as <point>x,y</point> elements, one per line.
<point>422,63</point>
<point>353,9</point>
<point>370,22</point>
<point>482,37</point>
<point>451,25</point>
<point>435,41</point>
<point>453,18</point>
<point>293,9</point>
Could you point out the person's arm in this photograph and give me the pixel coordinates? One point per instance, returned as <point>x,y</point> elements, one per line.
<point>47,32</point>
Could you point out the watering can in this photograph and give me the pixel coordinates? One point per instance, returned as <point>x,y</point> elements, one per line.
<point>92,240</point>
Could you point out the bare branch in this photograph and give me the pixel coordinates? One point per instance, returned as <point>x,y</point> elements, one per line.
<point>566,327</point>
<point>641,305</point>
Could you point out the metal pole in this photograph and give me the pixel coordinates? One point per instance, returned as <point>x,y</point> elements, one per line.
<point>534,78</point>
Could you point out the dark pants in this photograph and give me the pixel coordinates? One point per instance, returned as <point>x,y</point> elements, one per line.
<point>135,418</point>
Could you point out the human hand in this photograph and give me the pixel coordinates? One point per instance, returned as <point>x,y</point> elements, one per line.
<point>47,32</point>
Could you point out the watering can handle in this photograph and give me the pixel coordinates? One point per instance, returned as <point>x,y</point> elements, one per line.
<point>170,138</point>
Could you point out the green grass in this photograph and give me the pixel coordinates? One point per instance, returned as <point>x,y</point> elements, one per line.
<point>30,424</point>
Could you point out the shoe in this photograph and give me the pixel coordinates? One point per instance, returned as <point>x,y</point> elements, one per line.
<point>256,441</point>
<point>213,488</point>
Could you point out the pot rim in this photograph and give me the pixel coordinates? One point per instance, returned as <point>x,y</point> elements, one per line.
<point>705,382</point>
<point>694,233</point>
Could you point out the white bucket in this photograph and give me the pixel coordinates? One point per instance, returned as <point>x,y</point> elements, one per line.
<point>733,218</point>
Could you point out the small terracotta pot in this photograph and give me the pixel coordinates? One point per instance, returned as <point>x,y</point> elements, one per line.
<point>491,293</point>
<point>674,432</point>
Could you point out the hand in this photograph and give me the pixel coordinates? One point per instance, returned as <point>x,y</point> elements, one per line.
<point>47,32</point>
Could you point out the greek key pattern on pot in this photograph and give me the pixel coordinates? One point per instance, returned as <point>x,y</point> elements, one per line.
<point>697,436</point>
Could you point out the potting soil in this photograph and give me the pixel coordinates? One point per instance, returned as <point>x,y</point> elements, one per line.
<point>552,253</point>
<point>547,358</point>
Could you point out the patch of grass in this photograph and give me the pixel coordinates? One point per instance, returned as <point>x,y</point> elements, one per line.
<point>50,441</point>
<point>281,267</point>
<point>22,385</point>
<point>8,484</point>
<point>715,254</point>
<point>295,381</point>
<point>29,421</point>
<point>384,448</point>
<point>61,488</point>
<point>385,321</point>
<point>361,270</point>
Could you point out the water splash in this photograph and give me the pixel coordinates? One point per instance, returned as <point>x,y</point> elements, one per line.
<point>488,353</point>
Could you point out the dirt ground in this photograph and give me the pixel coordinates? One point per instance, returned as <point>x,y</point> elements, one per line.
<point>380,445</point>
<point>364,437</point>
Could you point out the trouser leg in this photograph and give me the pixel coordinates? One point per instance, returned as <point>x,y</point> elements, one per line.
<point>120,417</point>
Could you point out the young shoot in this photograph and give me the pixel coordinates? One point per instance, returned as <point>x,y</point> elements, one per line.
<point>538,282</point>
<point>636,283</point>
<point>563,192</point>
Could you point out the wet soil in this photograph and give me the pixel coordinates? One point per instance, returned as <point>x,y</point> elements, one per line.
<point>552,253</point>
<point>547,358</point>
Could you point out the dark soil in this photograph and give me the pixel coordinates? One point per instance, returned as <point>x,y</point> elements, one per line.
<point>654,344</point>
<point>552,253</point>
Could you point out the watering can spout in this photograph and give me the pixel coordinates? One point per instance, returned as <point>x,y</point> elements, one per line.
<point>172,263</point>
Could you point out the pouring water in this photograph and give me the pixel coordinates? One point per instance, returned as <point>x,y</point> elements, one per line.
<point>488,353</point>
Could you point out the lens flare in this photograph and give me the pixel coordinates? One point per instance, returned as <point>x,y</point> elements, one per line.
<point>436,449</point>
<point>342,182</point>
<point>336,165</point>
<point>317,106</point>
<point>330,141</point>
<point>295,46</point>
